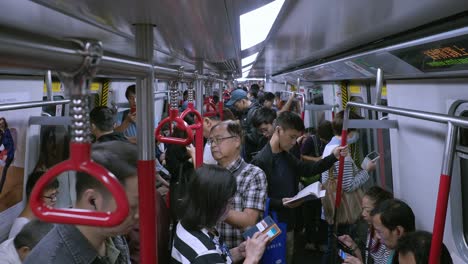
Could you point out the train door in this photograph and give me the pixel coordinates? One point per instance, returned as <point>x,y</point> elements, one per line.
<point>459,221</point>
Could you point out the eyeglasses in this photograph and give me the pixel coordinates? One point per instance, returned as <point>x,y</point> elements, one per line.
<point>217,141</point>
<point>52,197</point>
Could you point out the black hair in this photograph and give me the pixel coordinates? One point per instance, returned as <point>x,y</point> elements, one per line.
<point>268,96</point>
<point>337,123</point>
<point>103,118</point>
<point>130,89</point>
<point>394,213</point>
<point>325,130</point>
<point>210,191</point>
<point>263,115</point>
<point>233,128</point>
<point>215,98</point>
<point>227,115</point>
<point>290,120</point>
<point>118,157</point>
<point>419,243</point>
<point>32,180</point>
<point>378,195</point>
<point>254,88</point>
<point>4,121</point>
<point>31,234</point>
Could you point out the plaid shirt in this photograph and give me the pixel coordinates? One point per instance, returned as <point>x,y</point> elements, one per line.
<point>251,193</point>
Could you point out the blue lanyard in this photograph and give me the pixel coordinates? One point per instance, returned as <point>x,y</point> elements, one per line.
<point>390,258</point>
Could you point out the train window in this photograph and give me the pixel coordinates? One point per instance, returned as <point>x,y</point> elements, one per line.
<point>464,133</point>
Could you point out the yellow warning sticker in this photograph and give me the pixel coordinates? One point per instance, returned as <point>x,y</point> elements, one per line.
<point>354,89</point>
<point>95,86</point>
<point>56,87</point>
<point>384,90</point>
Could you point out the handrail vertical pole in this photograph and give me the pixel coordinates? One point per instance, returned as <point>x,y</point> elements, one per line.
<point>378,86</point>
<point>199,87</point>
<point>221,101</point>
<point>443,195</point>
<point>146,149</point>
<point>48,82</point>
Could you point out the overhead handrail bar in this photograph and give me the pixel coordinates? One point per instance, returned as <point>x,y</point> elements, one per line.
<point>30,51</point>
<point>174,118</point>
<point>32,104</point>
<point>77,83</point>
<point>197,126</point>
<point>446,170</point>
<point>379,86</point>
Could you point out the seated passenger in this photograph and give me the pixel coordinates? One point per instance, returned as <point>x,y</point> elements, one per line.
<point>126,120</point>
<point>414,248</point>
<point>379,253</point>
<point>102,125</point>
<point>16,249</point>
<point>207,203</point>
<point>391,219</point>
<point>49,197</point>
<point>89,244</point>
<point>249,200</point>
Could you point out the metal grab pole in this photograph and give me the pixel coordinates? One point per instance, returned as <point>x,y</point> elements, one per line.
<point>443,195</point>
<point>25,105</point>
<point>378,86</point>
<point>146,150</point>
<point>445,177</point>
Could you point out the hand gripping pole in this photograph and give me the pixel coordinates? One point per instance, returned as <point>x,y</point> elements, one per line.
<point>80,158</point>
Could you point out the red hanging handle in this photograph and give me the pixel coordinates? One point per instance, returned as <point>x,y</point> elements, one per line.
<point>210,108</point>
<point>80,160</point>
<point>173,117</point>
<point>198,127</point>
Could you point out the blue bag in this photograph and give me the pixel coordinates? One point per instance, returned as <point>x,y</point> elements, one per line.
<point>275,252</point>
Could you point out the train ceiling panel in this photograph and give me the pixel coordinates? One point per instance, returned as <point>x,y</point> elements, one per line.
<point>185,30</point>
<point>310,31</point>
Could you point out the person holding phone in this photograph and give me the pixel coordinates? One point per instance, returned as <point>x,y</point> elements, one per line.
<point>207,203</point>
<point>126,120</point>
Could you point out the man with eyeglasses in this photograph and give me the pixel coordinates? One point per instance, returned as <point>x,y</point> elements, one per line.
<point>249,201</point>
<point>90,244</point>
<point>49,197</point>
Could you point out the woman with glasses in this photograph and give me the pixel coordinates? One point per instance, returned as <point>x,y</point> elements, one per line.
<point>49,197</point>
<point>206,203</point>
<point>375,251</point>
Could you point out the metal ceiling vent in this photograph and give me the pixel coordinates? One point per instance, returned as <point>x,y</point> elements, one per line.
<point>226,65</point>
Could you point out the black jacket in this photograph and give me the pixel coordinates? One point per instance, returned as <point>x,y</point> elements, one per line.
<point>298,168</point>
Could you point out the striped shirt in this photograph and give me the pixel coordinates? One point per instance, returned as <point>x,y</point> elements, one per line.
<point>353,177</point>
<point>381,255</point>
<point>251,193</point>
<point>131,130</point>
<point>199,246</point>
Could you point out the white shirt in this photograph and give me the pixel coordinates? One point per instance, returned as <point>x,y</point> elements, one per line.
<point>8,253</point>
<point>207,156</point>
<point>17,226</point>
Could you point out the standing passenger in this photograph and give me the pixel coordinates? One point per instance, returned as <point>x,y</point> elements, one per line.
<point>283,170</point>
<point>208,123</point>
<point>102,125</point>
<point>207,203</point>
<point>89,244</point>
<point>126,120</point>
<point>249,200</point>
<point>241,103</point>
<point>7,141</point>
